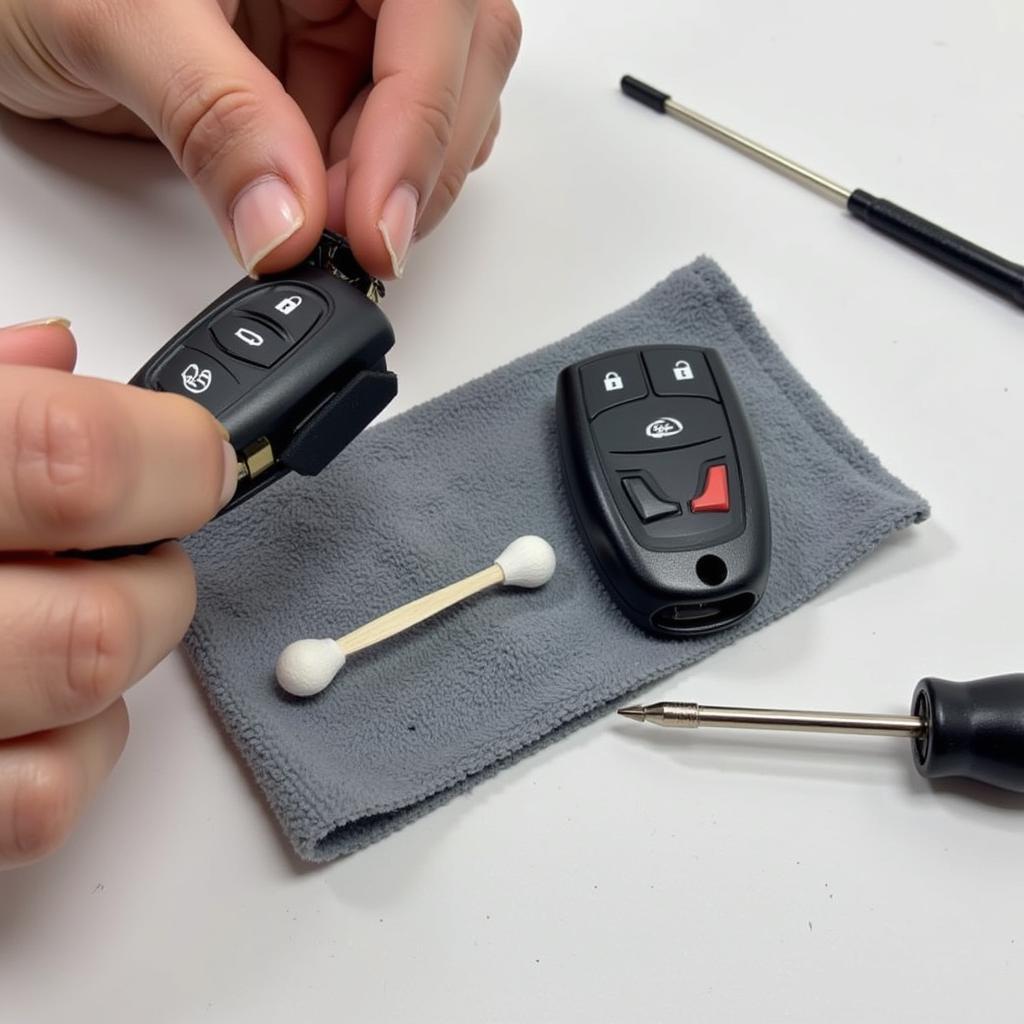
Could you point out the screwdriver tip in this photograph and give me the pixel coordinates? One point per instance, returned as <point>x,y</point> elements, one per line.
<point>635,711</point>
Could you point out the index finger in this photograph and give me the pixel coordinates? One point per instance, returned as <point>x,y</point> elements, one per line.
<point>89,464</point>
<point>398,149</point>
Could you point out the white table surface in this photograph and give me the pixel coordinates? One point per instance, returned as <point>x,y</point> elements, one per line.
<point>622,874</point>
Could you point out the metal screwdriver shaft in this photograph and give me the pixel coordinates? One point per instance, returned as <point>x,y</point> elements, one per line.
<point>768,157</point>
<point>958,254</point>
<point>973,730</point>
<point>695,716</point>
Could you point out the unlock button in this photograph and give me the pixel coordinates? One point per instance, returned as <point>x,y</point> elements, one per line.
<point>676,370</point>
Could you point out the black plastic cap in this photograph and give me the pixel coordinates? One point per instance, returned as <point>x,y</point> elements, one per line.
<point>974,730</point>
<point>644,93</point>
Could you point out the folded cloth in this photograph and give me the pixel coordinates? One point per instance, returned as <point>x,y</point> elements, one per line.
<point>434,494</point>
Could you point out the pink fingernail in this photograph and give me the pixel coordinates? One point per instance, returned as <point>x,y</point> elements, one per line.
<point>396,224</point>
<point>230,484</point>
<point>264,216</point>
<point>51,321</point>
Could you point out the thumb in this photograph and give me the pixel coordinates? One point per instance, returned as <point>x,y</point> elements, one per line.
<point>39,343</point>
<point>226,119</point>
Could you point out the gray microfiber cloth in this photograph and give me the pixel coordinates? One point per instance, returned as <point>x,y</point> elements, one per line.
<point>433,495</point>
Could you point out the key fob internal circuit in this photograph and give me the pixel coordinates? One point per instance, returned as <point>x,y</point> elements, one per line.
<point>293,365</point>
<point>666,486</point>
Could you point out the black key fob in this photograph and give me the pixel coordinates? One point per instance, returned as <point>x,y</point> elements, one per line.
<point>292,365</point>
<point>666,486</point>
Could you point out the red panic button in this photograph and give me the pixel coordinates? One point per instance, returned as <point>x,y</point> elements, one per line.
<point>715,496</point>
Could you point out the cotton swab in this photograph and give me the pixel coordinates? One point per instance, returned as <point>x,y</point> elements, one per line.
<point>308,666</point>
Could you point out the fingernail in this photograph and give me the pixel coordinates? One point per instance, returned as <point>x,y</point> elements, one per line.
<point>227,491</point>
<point>266,214</point>
<point>53,321</point>
<point>396,224</point>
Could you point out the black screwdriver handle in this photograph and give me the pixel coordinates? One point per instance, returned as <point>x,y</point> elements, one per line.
<point>974,730</point>
<point>959,255</point>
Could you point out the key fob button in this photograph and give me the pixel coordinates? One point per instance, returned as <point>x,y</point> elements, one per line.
<point>199,376</point>
<point>294,310</point>
<point>659,425</point>
<point>679,371</point>
<point>611,381</point>
<point>714,497</point>
<point>649,507</point>
<point>250,340</point>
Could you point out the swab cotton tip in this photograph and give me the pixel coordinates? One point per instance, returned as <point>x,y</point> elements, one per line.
<point>527,562</point>
<point>307,666</point>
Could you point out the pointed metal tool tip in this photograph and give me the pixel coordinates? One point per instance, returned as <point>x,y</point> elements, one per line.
<point>636,711</point>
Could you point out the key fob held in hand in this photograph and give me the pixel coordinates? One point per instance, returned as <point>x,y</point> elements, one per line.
<point>291,364</point>
<point>666,486</point>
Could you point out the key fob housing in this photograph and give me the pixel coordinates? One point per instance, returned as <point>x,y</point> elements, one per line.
<point>293,365</point>
<point>666,486</point>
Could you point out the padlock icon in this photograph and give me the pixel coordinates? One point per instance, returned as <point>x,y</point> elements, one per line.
<point>683,370</point>
<point>612,381</point>
<point>289,305</point>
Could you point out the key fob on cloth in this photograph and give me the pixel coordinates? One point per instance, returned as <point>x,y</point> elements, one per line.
<point>292,364</point>
<point>666,485</point>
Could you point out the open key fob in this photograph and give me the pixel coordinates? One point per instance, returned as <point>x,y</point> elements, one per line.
<point>293,365</point>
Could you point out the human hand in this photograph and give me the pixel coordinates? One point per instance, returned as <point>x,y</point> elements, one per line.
<point>288,115</point>
<point>86,464</point>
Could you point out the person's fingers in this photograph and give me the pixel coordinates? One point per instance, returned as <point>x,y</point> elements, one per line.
<point>89,464</point>
<point>79,633</point>
<point>46,781</point>
<point>119,121</point>
<point>224,116</point>
<point>340,144</point>
<point>400,142</point>
<point>328,64</point>
<point>338,148</point>
<point>41,343</point>
<point>484,152</point>
<point>494,49</point>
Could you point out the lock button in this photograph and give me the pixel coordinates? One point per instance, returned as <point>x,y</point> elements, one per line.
<point>295,310</point>
<point>612,380</point>
<point>679,371</point>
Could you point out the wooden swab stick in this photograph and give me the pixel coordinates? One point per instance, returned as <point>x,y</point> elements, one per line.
<point>307,666</point>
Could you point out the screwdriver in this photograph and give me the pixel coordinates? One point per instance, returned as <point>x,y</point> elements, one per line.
<point>958,254</point>
<point>971,730</point>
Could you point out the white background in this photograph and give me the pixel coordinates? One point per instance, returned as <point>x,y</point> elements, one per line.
<point>622,874</point>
